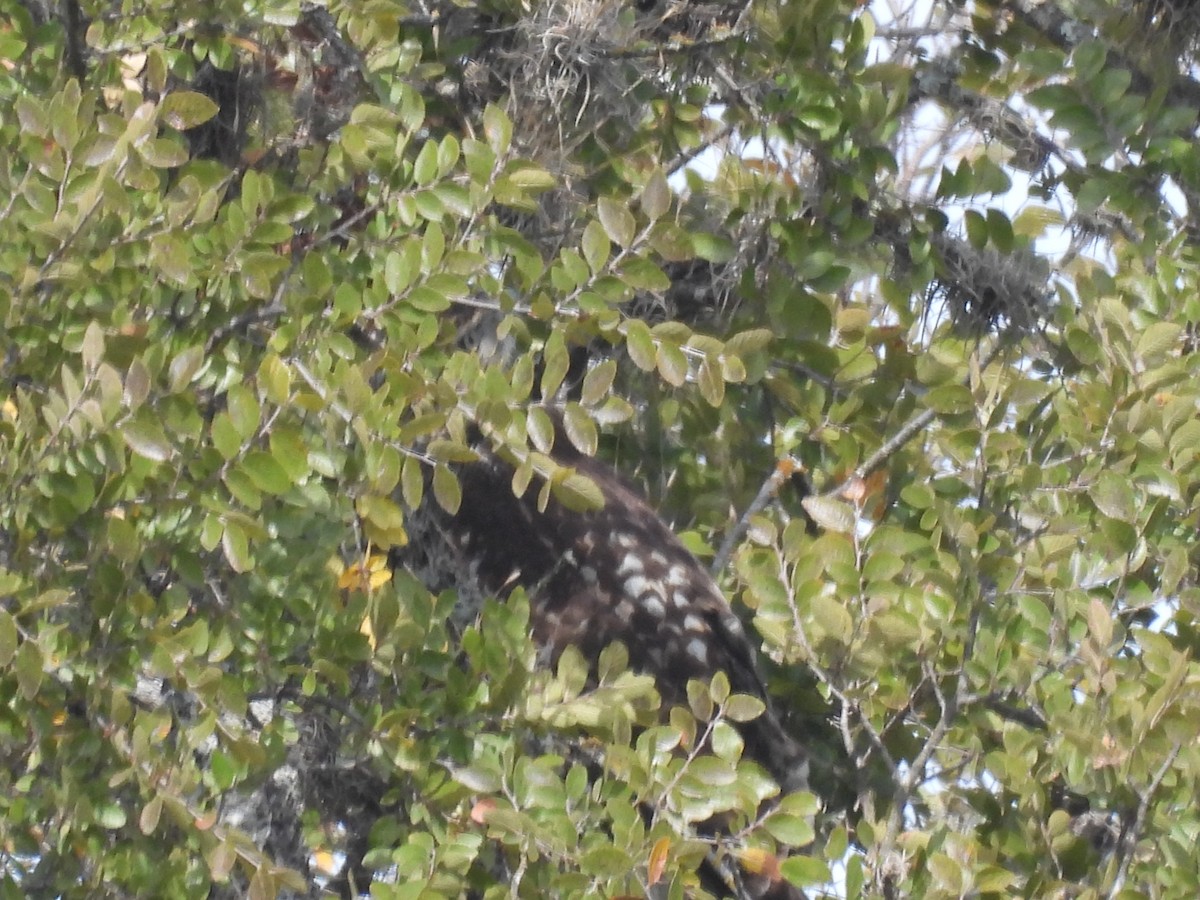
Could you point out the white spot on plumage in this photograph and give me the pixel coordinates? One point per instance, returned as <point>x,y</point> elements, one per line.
<point>635,586</point>
<point>698,651</point>
<point>630,563</point>
<point>653,604</point>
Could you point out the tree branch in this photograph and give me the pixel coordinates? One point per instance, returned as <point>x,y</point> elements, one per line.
<point>1130,838</point>
<point>770,487</point>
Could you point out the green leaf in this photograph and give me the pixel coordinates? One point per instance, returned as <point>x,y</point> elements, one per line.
<point>617,221</point>
<point>429,205</point>
<point>672,364</point>
<point>949,399</point>
<point>498,130</point>
<point>540,427</point>
<point>31,115</point>
<point>184,367</point>
<point>146,438</point>
<point>444,450</point>
<point>711,383</point>
<point>92,349</point>
<point>977,229</point>
<point>577,492</point>
<point>830,514</point>
<point>719,689</point>
<point>110,816</point>
<point>596,246</point>
<point>29,669</point>
<point>792,830</point>
<point>150,815</point>
<point>187,109</point>
<point>803,870</point>
<point>412,482</point>
<point>640,345</point>
<point>8,639</point>
<point>401,267</point>
<point>381,511</point>
<point>1000,230</point>
<point>825,120</point>
<point>236,546</point>
<point>643,275</point>
<point>479,779</point>
<point>446,489</point>
<point>426,165</point>
<point>161,153</point>
<point>656,196</point>
<point>1088,58</point>
<point>1100,623</point>
<point>726,742</point>
<point>530,178</point>
<point>137,384</point>
<point>744,708</point>
<point>259,270</point>
<point>221,858</point>
<point>276,378</point>
<point>244,411</point>
<point>448,154</point>
<point>225,437</point>
<point>750,341</point>
<point>713,248</point>
<point>947,871</point>
<point>606,860</point>
<point>1113,496</point>
<point>580,428</point>
<point>1158,339</point>
<point>598,382</point>
<point>555,364</point>
<point>122,539</point>
<point>266,473</point>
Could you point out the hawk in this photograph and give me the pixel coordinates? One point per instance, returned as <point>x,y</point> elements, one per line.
<point>617,573</point>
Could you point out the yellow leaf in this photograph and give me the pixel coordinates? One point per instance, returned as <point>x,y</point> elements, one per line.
<point>351,577</point>
<point>759,862</point>
<point>365,575</point>
<point>658,860</point>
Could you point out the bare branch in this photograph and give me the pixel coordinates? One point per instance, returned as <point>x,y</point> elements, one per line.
<point>1130,838</point>
<point>770,487</point>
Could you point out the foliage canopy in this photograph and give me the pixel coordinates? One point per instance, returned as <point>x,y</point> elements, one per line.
<point>255,259</point>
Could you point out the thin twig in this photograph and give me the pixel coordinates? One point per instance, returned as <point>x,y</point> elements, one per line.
<point>770,487</point>
<point>907,432</point>
<point>686,158</point>
<point>949,703</point>
<point>1130,838</point>
<point>848,706</point>
<point>1010,712</point>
